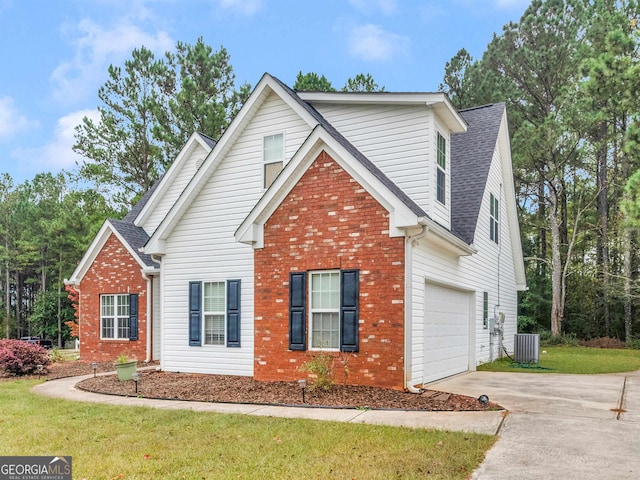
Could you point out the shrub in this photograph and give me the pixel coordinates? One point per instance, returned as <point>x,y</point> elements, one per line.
<point>547,339</point>
<point>320,365</point>
<point>21,358</point>
<point>56,356</point>
<point>634,344</point>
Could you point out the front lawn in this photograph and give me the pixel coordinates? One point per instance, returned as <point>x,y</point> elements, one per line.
<point>581,360</point>
<point>111,442</point>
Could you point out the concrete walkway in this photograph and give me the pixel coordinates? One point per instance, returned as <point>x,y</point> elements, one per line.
<point>583,427</point>
<point>480,422</point>
<point>559,426</point>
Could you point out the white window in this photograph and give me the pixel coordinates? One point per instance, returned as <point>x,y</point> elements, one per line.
<point>273,157</point>
<point>441,170</point>
<point>325,310</point>
<point>494,218</point>
<point>114,316</point>
<point>214,311</point>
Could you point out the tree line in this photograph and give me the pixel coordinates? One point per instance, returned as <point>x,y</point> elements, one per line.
<point>569,73</point>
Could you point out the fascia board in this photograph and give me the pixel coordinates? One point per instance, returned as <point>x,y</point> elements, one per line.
<point>94,249</point>
<point>512,208</point>
<point>446,239</point>
<point>436,100</point>
<point>91,253</point>
<point>168,178</point>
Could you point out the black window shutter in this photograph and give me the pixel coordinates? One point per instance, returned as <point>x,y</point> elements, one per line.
<point>233,313</point>
<point>297,311</point>
<point>133,316</point>
<point>349,295</point>
<point>195,301</point>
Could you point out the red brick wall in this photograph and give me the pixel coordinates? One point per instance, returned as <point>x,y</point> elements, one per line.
<point>114,271</point>
<point>328,221</point>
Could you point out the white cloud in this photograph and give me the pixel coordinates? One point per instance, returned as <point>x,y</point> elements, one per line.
<point>57,154</point>
<point>12,121</point>
<point>385,6</point>
<point>371,42</point>
<point>95,48</point>
<point>246,7</point>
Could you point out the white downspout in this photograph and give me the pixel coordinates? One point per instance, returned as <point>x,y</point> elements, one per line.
<point>411,241</point>
<point>149,280</point>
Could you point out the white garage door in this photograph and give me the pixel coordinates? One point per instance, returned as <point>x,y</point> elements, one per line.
<point>447,327</point>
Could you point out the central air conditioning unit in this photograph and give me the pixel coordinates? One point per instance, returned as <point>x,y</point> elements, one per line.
<point>526,347</point>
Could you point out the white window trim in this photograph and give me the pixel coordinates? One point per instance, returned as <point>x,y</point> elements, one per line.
<point>116,317</point>
<point>321,310</point>
<point>494,220</point>
<point>206,312</point>
<point>440,169</point>
<point>271,161</point>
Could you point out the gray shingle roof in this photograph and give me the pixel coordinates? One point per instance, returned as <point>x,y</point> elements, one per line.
<point>471,156</point>
<point>137,208</point>
<point>209,141</point>
<point>136,237</point>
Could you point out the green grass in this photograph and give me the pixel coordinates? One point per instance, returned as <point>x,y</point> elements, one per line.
<point>581,360</point>
<point>112,442</point>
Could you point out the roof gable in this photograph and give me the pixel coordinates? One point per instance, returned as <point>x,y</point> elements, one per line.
<point>402,210</point>
<point>139,214</point>
<point>130,236</point>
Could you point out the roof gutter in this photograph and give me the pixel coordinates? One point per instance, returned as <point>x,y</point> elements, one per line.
<point>447,239</point>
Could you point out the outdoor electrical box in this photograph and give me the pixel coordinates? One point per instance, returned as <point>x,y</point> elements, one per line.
<point>492,326</point>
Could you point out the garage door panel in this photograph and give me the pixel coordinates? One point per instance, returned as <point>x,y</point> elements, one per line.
<point>446,341</point>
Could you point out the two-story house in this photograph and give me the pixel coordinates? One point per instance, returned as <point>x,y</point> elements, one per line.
<point>380,228</point>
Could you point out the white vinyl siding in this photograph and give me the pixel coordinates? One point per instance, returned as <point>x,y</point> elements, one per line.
<point>187,169</point>
<point>441,179</point>
<point>396,139</point>
<point>203,243</point>
<point>485,271</point>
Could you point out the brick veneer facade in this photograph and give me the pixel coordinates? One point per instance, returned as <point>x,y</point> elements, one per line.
<point>328,221</point>
<point>114,271</point>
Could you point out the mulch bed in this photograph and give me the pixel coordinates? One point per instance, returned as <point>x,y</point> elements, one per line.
<point>237,389</point>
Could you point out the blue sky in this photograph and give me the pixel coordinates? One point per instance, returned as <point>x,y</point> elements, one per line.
<point>55,54</point>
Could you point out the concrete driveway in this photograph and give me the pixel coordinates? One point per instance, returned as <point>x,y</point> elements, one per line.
<point>559,426</point>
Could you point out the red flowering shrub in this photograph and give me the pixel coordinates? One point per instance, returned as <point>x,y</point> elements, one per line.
<point>21,358</point>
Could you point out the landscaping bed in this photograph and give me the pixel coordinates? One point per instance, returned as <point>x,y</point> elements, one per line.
<point>237,389</point>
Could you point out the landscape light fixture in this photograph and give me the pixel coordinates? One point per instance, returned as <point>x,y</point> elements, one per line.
<point>40,368</point>
<point>483,399</point>
<point>136,377</point>
<point>94,365</point>
<point>303,386</point>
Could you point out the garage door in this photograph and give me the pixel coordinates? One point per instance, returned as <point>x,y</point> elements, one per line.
<point>447,327</point>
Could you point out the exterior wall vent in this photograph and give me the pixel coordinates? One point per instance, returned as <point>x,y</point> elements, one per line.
<point>527,347</point>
